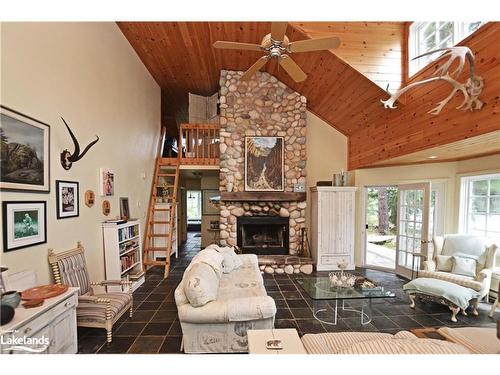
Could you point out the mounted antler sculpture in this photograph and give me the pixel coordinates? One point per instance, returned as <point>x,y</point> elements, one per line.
<point>68,158</point>
<point>471,89</point>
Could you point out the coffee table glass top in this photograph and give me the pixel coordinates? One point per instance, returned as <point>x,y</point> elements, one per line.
<point>318,288</point>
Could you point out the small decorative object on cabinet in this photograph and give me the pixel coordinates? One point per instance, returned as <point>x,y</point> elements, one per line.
<point>67,199</point>
<point>52,324</point>
<point>124,209</point>
<point>332,235</point>
<point>123,253</point>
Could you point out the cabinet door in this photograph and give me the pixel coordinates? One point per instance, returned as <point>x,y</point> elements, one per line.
<point>63,333</point>
<point>328,217</point>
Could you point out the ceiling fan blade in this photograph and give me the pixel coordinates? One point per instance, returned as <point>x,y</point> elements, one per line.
<point>254,68</point>
<point>314,44</point>
<point>292,68</point>
<point>237,45</point>
<point>278,30</point>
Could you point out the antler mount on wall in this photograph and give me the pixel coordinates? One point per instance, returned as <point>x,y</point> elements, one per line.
<point>68,158</point>
<point>471,89</point>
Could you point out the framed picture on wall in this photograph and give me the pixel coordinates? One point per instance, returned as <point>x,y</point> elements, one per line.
<point>24,224</point>
<point>209,206</point>
<point>264,164</point>
<point>106,182</point>
<point>67,199</point>
<point>124,209</point>
<point>25,150</point>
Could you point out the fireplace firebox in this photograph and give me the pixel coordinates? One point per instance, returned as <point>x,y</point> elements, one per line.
<point>263,235</point>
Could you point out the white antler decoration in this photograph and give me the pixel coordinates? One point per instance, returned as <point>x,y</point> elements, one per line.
<point>471,89</point>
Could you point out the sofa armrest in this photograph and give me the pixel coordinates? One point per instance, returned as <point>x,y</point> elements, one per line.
<point>234,310</point>
<point>82,300</point>
<point>429,265</point>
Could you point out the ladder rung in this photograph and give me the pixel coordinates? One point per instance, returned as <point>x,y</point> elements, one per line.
<point>155,263</point>
<point>155,249</point>
<point>161,209</point>
<point>159,235</point>
<point>159,222</point>
<point>166,174</point>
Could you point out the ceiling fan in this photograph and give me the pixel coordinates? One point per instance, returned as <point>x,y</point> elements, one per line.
<point>277,45</point>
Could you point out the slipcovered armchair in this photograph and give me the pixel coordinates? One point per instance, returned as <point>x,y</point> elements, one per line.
<point>100,310</point>
<point>462,259</point>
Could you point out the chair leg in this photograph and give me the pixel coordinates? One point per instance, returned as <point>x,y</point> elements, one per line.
<point>109,335</point>
<point>412,301</point>
<point>454,312</point>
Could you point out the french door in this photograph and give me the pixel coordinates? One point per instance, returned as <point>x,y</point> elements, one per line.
<point>412,226</point>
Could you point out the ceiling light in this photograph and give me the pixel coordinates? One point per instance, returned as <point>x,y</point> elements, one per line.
<point>432,157</point>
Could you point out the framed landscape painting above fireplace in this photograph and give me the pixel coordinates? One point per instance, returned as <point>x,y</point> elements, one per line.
<point>264,164</point>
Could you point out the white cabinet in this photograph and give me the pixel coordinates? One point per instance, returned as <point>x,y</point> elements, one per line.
<point>332,226</point>
<point>123,253</point>
<point>161,218</point>
<point>50,328</point>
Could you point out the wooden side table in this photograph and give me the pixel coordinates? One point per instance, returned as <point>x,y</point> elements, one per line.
<point>289,337</point>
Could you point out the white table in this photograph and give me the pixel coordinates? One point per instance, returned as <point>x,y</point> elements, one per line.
<point>289,337</point>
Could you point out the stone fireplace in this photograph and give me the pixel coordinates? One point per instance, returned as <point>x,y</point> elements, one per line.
<point>263,235</point>
<point>263,106</point>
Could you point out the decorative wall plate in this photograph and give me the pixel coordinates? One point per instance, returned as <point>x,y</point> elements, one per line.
<point>89,198</point>
<point>106,207</point>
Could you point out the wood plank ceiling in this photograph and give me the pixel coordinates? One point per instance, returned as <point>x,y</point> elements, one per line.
<point>181,58</point>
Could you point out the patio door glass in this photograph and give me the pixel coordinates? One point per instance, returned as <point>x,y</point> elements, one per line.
<point>412,226</point>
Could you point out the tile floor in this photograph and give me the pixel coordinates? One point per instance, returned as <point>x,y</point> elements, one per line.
<point>156,329</point>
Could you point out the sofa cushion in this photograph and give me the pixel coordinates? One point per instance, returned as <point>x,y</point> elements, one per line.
<point>444,263</point>
<point>211,257</point>
<point>404,346</point>
<point>201,284</point>
<point>465,281</point>
<point>458,295</point>
<point>89,312</point>
<point>464,266</point>
<point>231,261</point>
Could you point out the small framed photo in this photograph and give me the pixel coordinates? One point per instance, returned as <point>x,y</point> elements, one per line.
<point>67,199</point>
<point>106,182</point>
<point>209,207</point>
<point>124,209</point>
<point>24,224</point>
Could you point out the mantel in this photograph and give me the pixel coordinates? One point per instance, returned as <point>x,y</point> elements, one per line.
<point>264,196</point>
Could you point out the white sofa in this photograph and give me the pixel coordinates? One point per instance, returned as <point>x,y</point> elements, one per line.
<point>216,309</point>
<point>448,247</point>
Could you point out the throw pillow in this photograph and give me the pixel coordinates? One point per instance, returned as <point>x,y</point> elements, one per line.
<point>201,284</point>
<point>444,263</point>
<point>464,266</point>
<point>231,260</point>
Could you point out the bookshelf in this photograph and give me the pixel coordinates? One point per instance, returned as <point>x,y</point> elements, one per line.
<point>123,253</point>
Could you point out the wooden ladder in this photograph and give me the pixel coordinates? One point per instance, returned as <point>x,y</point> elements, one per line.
<point>166,175</point>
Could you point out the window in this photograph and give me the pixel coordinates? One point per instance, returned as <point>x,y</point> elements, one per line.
<point>193,205</point>
<point>428,36</point>
<point>480,206</point>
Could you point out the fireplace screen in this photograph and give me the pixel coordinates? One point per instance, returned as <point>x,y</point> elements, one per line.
<point>263,235</point>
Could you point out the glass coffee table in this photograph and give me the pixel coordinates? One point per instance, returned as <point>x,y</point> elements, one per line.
<point>321,292</point>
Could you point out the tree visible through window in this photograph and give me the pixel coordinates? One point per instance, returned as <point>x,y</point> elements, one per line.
<point>428,36</point>
<point>480,206</point>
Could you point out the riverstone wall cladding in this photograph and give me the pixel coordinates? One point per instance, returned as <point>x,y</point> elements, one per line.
<point>263,106</point>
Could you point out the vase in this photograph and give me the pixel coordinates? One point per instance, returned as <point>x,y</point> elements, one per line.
<point>229,187</point>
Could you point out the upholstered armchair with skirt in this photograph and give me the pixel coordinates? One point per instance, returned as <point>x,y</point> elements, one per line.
<point>96,310</point>
<point>462,259</point>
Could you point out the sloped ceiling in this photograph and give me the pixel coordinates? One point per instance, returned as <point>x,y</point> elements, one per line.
<point>181,58</point>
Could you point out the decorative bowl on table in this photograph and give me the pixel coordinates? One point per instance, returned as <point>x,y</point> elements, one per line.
<point>11,298</point>
<point>342,279</point>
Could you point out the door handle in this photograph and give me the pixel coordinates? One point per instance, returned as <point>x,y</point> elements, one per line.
<point>425,241</point>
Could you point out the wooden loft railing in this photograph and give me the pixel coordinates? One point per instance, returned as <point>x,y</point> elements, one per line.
<point>199,144</point>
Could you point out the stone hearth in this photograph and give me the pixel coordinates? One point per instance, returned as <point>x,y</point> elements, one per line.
<point>263,106</point>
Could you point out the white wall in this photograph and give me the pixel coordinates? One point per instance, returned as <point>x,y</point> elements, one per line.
<point>89,74</point>
<point>326,155</point>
